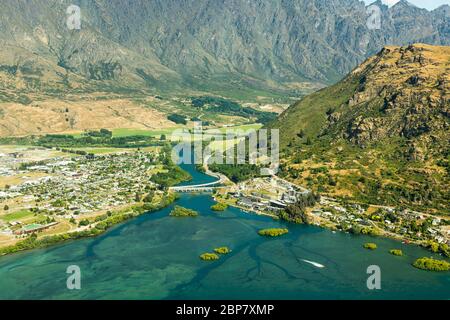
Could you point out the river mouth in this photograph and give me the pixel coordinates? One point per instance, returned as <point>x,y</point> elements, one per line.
<point>157,257</point>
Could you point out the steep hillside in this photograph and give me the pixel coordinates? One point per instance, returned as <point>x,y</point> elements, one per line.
<point>381,135</point>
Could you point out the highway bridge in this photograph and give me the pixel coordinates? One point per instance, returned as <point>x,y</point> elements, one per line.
<point>205,187</point>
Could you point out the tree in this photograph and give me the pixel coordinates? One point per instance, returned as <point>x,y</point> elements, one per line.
<point>137,198</point>
<point>332,181</point>
<point>178,119</point>
<point>6,207</point>
<point>84,222</point>
<point>106,133</point>
<point>149,197</point>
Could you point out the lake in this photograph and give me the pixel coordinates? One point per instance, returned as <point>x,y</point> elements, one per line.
<point>157,257</point>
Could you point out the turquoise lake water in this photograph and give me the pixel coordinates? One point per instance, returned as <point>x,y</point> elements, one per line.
<point>157,257</point>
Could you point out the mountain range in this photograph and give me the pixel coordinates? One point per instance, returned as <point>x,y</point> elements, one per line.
<point>205,45</point>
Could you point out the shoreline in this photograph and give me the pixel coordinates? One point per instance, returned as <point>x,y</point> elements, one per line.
<point>137,209</point>
<point>332,226</point>
<point>132,211</point>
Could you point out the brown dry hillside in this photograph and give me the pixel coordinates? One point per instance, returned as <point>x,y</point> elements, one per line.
<point>56,116</point>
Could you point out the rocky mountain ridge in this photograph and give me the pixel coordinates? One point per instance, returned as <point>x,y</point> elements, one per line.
<point>168,44</point>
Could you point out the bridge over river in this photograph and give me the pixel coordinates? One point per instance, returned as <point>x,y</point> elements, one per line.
<point>206,187</point>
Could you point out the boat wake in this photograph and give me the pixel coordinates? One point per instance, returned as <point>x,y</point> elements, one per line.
<point>315,264</point>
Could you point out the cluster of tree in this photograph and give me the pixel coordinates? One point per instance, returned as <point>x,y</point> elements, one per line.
<point>438,248</point>
<point>296,212</point>
<point>33,242</point>
<point>102,133</point>
<point>396,252</point>
<point>149,197</point>
<point>183,212</point>
<point>178,119</point>
<point>274,232</point>
<point>358,229</point>
<point>26,165</point>
<point>431,264</point>
<point>219,207</point>
<point>100,140</point>
<point>237,173</point>
<point>370,246</point>
<point>173,175</point>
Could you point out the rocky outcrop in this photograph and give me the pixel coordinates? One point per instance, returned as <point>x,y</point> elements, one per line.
<point>400,94</point>
<point>409,100</point>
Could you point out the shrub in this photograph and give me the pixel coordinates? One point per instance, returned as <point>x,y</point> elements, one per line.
<point>209,257</point>
<point>431,264</point>
<point>178,119</point>
<point>370,246</point>
<point>183,212</point>
<point>273,232</point>
<point>396,252</point>
<point>84,223</point>
<point>222,250</point>
<point>219,207</point>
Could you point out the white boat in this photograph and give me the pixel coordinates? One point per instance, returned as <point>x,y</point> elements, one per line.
<point>315,264</point>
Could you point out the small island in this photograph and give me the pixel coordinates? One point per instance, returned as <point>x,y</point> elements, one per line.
<point>219,207</point>
<point>181,212</point>
<point>273,232</point>
<point>209,257</point>
<point>370,246</point>
<point>431,264</point>
<point>222,250</point>
<point>396,252</point>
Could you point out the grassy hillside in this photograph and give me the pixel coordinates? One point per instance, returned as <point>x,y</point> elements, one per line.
<point>380,136</point>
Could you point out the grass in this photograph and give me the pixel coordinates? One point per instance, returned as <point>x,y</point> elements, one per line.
<point>253,126</point>
<point>142,132</point>
<point>18,215</point>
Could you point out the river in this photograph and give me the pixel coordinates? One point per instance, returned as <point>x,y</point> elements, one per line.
<point>157,257</point>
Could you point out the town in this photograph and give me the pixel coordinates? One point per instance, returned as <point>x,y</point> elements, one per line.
<point>49,191</point>
<point>274,196</point>
<point>46,190</point>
